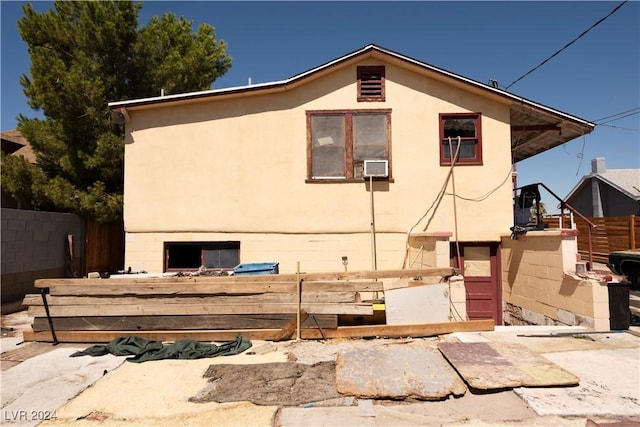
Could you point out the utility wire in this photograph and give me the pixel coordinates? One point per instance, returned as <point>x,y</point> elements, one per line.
<point>618,118</point>
<point>567,45</point>
<point>621,128</point>
<point>632,111</point>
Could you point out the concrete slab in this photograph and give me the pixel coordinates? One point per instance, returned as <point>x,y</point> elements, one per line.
<point>582,338</point>
<point>395,372</point>
<point>487,366</point>
<point>495,409</point>
<point>609,386</point>
<point>35,389</point>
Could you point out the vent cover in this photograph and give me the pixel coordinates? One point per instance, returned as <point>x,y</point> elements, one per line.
<point>371,83</point>
<point>376,168</point>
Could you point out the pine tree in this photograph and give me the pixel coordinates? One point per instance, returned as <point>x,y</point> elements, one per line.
<point>85,54</point>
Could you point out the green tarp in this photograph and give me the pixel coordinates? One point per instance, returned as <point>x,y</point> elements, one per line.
<point>143,350</point>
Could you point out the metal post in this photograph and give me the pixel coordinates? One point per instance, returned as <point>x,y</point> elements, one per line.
<point>44,293</point>
<point>373,228</point>
<point>298,300</point>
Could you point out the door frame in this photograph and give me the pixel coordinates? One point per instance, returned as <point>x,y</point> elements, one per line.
<point>495,253</point>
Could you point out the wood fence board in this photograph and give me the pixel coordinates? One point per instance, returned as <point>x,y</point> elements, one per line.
<point>266,278</point>
<point>114,288</point>
<point>152,309</point>
<point>180,322</point>
<point>423,330</point>
<point>429,329</point>
<point>167,336</point>
<point>307,297</point>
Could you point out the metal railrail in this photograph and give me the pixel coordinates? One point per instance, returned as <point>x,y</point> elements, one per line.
<point>564,205</point>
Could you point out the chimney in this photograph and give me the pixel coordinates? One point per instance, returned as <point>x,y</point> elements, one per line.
<point>598,165</point>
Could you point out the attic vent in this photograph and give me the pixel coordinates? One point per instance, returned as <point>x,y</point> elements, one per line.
<point>371,83</point>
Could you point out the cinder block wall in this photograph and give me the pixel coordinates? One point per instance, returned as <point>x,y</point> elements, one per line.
<point>429,250</point>
<point>458,297</point>
<point>315,252</point>
<point>536,289</point>
<point>34,247</point>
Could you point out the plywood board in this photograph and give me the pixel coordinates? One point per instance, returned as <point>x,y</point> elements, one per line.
<point>417,304</point>
<point>281,384</point>
<point>489,365</point>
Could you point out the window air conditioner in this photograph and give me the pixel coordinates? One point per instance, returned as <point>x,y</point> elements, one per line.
<point>376,168</point>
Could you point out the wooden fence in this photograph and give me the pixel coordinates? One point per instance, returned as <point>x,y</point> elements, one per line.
<point>610,234</point>
<point>104,247</point>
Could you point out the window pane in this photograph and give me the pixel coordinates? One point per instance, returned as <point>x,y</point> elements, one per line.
<point>327,136</point>
<point>477,261</point>
<point>369,140</point>
<point>467,148</point>
<point>184,256</point>
<point>462,127</point>
<point>370,136</point>
<point>222,256</point>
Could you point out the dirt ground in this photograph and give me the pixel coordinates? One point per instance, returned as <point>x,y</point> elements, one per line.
<point>161,393</point>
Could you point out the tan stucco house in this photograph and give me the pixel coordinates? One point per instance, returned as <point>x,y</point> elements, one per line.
<point>281,172</point>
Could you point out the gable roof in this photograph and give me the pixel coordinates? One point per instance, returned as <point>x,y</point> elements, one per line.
<point>626,181</point>
<point>534,127</point>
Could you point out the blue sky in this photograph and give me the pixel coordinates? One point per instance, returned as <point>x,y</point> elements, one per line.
<point>596,77</point>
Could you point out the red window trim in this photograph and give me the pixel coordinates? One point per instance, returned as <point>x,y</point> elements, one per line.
<point>477,160</point>
<point>203,247</point>
<point>363,71</point>
<point>348,115</point>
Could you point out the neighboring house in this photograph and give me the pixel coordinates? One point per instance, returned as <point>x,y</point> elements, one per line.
<point>607,192</point>
<point>13,143</point>
<point>275,172</point>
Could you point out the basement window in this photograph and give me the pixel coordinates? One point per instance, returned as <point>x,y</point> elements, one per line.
<point>467,129</point>
<point>370,83</point>
<point>190,256</point>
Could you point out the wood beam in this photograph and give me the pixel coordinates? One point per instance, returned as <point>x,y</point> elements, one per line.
<point>424,330</point>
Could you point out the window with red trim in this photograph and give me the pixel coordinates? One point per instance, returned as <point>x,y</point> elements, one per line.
<point>338,142</point>
<point>465,128</point>
<point>370,83</point>
<point>190,256</point>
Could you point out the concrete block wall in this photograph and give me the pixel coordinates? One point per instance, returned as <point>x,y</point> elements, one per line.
<point>315,252</point>
<point>34,247</point>
<point>458,299</point>
<point>539,284</point>
<point>429,250</point>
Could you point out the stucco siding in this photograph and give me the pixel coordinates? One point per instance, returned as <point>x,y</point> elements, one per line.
<point>240,166</point>
<point>315,252</point>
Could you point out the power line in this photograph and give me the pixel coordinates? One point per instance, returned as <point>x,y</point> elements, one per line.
<point>567,45</point>
<point>618,127</point>
<point>617,114</point>
<point>621,117</point>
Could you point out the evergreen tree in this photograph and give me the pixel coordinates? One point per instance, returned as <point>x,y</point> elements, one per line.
<point>85,54</point>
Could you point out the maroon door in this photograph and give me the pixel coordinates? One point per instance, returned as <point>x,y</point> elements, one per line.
<point>479,263</point>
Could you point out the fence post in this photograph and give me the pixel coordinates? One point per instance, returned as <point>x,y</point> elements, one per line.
<point>632,232</point>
